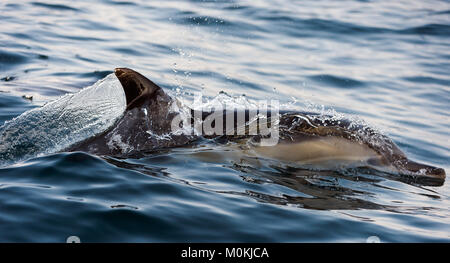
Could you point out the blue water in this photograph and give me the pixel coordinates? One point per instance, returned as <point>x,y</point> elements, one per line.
<point>386,62</point>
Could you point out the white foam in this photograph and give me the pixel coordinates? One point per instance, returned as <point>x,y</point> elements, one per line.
<point>63,122</point>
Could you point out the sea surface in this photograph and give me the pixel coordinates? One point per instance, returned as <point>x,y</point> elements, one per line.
<point>385,62</point>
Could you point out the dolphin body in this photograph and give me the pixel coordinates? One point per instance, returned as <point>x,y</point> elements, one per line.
<point>304,138</point>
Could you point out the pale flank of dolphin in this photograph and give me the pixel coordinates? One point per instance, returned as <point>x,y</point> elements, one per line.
<point>328,152</point>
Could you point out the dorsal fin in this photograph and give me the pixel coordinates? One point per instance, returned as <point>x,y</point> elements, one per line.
<point>135,86</point>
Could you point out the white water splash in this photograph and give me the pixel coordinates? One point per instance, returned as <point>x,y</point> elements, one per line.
<point>63,122</point>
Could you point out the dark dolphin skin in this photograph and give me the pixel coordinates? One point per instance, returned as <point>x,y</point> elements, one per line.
<point>148,113</point>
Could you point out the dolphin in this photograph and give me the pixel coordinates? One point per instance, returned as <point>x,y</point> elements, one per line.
<point>306,139</point>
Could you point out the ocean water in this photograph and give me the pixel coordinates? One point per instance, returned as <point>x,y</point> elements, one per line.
<point>385,62</point>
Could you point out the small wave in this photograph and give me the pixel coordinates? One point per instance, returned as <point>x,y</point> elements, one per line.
<point>98,74</point>
<point>122,3</point>
<point>8,59</point>
<point>426,79</point>
<point>127,51</point>
<point>340,82</point>
<point>428,29</point>
<point>95,26</point>
<point>55,6</point>
<point>312,27</point>
<point>442,12</point>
